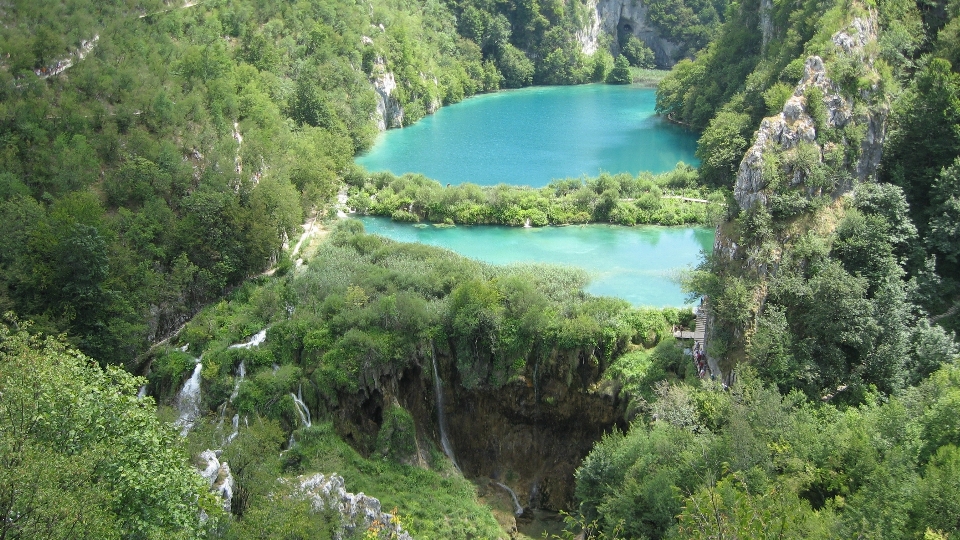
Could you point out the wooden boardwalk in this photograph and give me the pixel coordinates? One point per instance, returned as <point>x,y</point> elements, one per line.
<point>699,337</point>
<point>699,333</point>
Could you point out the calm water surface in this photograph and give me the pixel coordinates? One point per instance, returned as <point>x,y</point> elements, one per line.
<point>533,135</point>
<point>638,264</point>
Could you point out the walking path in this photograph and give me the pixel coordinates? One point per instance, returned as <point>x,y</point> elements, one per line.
<point>699,337</point>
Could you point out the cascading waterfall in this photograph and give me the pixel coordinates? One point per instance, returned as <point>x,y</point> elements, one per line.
<point>441,418</point>
<point>188,401</point>
<point>236,430</point>
<point>302,409</point>
<point>142,392</point>
<point>256,340</point>
<point>241,373</point>
<point>526,224</point>
<point>517,509</point>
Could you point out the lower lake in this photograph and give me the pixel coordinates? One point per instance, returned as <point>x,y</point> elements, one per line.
<point>534,135</point>
<point>638,264</point>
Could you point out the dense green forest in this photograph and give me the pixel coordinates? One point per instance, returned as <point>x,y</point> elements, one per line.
<point>178,156</point>
<point>157,159</point>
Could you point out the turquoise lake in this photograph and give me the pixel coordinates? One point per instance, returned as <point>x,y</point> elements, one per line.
<point>534,135</point>
<point>638,264</point>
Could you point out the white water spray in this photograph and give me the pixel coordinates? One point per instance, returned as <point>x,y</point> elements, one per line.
<point>236,430</point>
<point>241,373</point>
<point>256,340</point>
<point>441,418</point>
<point>188,401</point>
<point>302,409</point>
<point>517,509</point>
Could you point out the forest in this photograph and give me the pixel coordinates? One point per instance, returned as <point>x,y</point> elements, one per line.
<point>158,160</point>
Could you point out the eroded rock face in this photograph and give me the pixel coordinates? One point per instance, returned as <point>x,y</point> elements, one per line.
<point>618,18</point>
<point>389,112</point>
<point>531,440</point>
<point>766,22</point>
<point>218,476</point>
<point>794,125</point>
<point>529,437</point>
<point>788,140</point>
<point>358,511</point>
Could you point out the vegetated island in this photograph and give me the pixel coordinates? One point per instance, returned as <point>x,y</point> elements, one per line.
<point>670,198</point>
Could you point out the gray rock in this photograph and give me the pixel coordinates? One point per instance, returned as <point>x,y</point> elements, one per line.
<point>794,125</point>
<point>389,112</point>
<point>616,17</point>
<point>358,511</point>
<point>218,476</point>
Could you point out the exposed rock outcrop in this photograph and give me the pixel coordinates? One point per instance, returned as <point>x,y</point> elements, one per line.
<point>795,124</point>
<point>389,112</point>
<point>766,22</point>
<point>218,476</point>
<point>532,439</point>
<point>357,511</point>
<point>808,150</point>
<point>529,434</point>
<point>618,19</point>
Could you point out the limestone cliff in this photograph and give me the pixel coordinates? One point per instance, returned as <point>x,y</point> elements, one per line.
<point>779,137</point>
<point>766,22</point>
<point>529,434</point>
<point>620,18</point>
<point>828,137</point>
<point>389,112</point>
<point>358,512</point>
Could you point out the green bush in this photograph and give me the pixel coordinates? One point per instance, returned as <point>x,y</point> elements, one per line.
<point>397,439</point>
<point>620,74</point>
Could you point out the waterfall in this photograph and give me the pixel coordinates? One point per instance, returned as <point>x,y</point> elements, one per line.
<point>236,430</point>
<point>142,392</point>
<point>526,225</point>
<point>441,418</point>
<point>517,509</point>
<point>256,340</point>
<point>241,373</point>
<point>302,409</point>
<point>188,401</point>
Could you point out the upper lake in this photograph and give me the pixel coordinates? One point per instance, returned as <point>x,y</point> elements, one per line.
<point>534,135</point>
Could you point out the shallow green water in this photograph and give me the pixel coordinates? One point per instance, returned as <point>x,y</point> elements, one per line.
<point>533,135</point>
<point>638,264</point>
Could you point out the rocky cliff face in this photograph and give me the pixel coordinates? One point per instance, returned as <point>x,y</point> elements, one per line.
<point>841,133</point>
<point>620,18</point>
<point>783,134</point>
<point>389,112</point>
<point>766,22</point>
<point>529,436</point>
